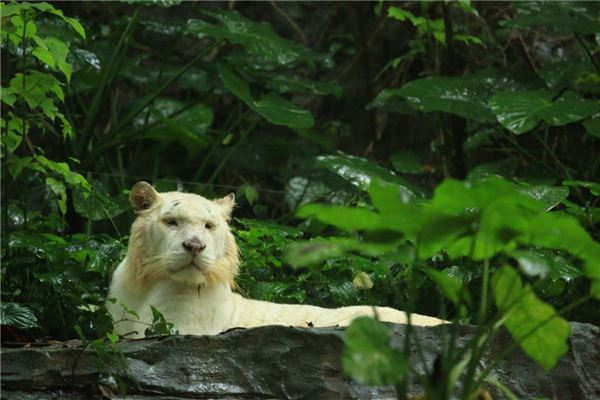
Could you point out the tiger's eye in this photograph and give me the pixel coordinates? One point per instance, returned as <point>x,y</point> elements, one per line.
<point>209,226</point>
<point>171,222</point>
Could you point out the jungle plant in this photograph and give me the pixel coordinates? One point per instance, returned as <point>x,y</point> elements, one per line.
<point>493,222</point>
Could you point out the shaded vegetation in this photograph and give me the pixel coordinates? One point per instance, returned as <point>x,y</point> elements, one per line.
<point>435,157</point>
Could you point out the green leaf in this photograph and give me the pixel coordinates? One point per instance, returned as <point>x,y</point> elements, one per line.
<point>112,336</point>
<point>249,192</point>
<point>346,218</point>
<point>368,356</point>
<point>562,16</point>
<point>450,286</point>
<point>549,196</point>
<point>306,253</point>
<point>522,111</point>
<point>45,7</point>
<point>542,262</point>
<point>593,187</point>
<point>17,315</point>
<point>273,107</point>
<point>188,127</point>
<point>45,56</point>
<point>407,162</point>
<point>505,168</point>
<point>295,84</point>
<point>98,205</point>
<point>258,38</point>
<point>465,97</point>
<point>360,172</point>
<point>62,169</point>
<point>235,84</point>
<point>592,126</point>
<point>280,111</point>
<point>565,73</point>
<point>534,325</point>
<point>59,189</point>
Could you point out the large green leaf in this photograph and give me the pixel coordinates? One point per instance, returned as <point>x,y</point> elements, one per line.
<point>360,172</point>
<point>17,315</point>
<point>464,97</point>
<point>295,84</point>
<point>565,73</point>
<point>592,125</point>
<point>280,111</point>
<point>534,325</point>
<point>407,162</point>
<point>45,7</point>
<point>347,218</point>
<point>542,262</point>
<point>301,254</point>
<point>522,111</point>
<point>549,196</point>
<point>98,205</point>
<point>562,16</point>
<point>368,356</point>
<point>273,107</point>
<point>258,38</point>
<point>188,127</point>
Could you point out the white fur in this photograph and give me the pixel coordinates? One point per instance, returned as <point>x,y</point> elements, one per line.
<point>194,291</point>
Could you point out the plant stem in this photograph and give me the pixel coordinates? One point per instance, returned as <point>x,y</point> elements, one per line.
<point>484,292</point>
<point>225,131</point>
<point>161,89</point>
<point>517,341</point>
<point>587,52</point>
<point>232,151</point>
<point>108,75</point>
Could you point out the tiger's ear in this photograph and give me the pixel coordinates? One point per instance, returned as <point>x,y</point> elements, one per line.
<point>226,204</point>
<point>142,196</point>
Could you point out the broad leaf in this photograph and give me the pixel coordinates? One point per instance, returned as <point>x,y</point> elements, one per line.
<point>464,97</point>
<point>450,286</point>
<point>407,162</point>
<point>549,196</point>
<point>534,325</point>
<point>17,315</point>
<point>593,187</point>
<point>562,16</point>
<point>258,38</point>
<point>565,73</point>
<point>346,218</point>
<point>295,84</point>
<point>273,107</point>
<point>592,126</point>
<point>45,7</point>
<point>522,111</point>
<point>360,172</point>
<point>301,254</point>
<point>98,205</point>
<point>280,111</point>
<point>541,262</point>
<point>368,356</point>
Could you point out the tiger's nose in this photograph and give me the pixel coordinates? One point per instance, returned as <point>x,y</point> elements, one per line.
<point>194,246</point>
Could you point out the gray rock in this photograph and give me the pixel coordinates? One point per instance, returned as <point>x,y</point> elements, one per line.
<point>274,362</point>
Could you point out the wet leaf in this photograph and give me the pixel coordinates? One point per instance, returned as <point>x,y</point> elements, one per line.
<point>562,16</point>
<point>534,325</point>
<point>360,172</point>
<point>522,111</point>
<point>273,107</point>
<point>17,315</point>
<point>368,356</point>
<point>258,38</point>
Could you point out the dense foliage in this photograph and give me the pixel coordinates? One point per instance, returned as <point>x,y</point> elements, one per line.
<point>435,157</point>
